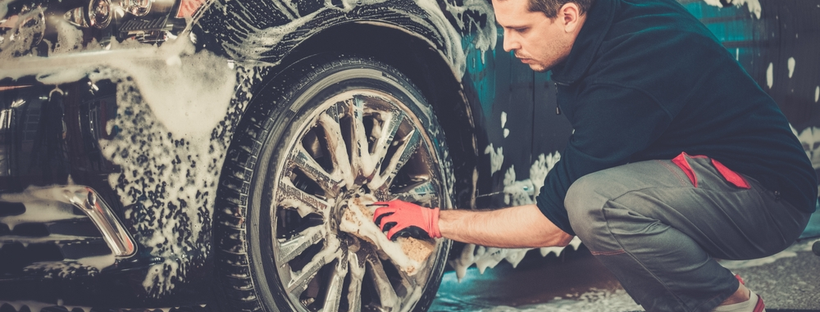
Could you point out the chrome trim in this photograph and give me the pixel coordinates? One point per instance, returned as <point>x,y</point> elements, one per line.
<point>114,234</point>
<point>137,7</point>
<point>6,88</point>
<point>99,13</point>
<point>76,17</point>
<point>89,202</point>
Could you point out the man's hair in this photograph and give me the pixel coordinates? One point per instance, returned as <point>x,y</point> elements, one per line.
<point>550,7</point>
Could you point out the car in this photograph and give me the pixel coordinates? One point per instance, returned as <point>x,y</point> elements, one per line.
<point>222,154</point>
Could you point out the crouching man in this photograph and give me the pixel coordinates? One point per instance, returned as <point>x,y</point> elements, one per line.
<point>677,158</point>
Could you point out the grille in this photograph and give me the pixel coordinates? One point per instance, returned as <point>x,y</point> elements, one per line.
<point>143,24</point>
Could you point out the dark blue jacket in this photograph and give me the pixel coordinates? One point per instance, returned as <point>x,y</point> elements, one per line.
<point>646,80</point>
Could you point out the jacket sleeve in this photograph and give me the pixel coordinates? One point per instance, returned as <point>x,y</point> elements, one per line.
<point>611,123</point>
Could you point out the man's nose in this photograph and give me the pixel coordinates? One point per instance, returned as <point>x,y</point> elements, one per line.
<point>510,43</point>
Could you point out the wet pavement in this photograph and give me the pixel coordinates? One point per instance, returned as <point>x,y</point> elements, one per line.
<point>576,281</point>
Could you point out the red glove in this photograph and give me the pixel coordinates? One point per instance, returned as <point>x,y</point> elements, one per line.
<point>400,218</point>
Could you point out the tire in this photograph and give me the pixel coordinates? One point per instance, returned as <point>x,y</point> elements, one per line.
<point>283,241</point>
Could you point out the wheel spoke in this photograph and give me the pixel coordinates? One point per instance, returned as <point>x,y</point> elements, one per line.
<point>302,160</point>
<point>386,135</point>
<point>403,153</point>
<point>334,288</point>
<point>409,283</point>
<point>387,295</point>
<point>289,249</point>
<point>299,280</point>
<point>421,192</point>
<point>292,197</point>
<point>354,292</point>
<point>360,156</point>
<point>336,145</point>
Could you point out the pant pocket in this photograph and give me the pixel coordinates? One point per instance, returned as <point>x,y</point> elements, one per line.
<point>732,177</point>
<point>682,161</point>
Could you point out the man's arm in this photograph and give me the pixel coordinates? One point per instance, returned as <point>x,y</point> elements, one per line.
<point>521,226</point>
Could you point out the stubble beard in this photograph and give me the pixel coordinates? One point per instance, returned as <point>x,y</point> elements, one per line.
<point>539,68</point>
<point>544,67</point>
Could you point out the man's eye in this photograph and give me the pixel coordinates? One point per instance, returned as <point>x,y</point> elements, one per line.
<point>520,30</point>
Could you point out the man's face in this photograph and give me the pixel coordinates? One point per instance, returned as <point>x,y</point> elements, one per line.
<point>535,39</point>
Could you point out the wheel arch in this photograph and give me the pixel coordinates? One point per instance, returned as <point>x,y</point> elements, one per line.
<point>426,66</point>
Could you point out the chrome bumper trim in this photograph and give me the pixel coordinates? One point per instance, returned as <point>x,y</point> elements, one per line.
<point>89,202</point>
<point>114,234</point>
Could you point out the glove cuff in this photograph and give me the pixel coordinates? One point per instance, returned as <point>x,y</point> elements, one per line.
<point>434,230</point>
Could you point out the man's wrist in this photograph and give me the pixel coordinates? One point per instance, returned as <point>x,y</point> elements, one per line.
<point>435,232</point>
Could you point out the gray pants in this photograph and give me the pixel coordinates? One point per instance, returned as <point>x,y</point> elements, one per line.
<point>660,235</point>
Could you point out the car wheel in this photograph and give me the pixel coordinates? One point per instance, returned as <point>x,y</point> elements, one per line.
<point>292,229</point>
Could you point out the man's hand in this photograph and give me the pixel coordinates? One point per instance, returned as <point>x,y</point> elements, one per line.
<point>400,218</point>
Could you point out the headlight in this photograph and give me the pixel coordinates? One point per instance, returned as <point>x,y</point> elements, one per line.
<point>137,7</point>
<point>99,13</point>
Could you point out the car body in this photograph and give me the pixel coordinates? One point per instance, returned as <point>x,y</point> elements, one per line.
<point>185,153</point>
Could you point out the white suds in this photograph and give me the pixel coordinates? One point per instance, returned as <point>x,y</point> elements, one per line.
<point>168,180</point>
<point>20,39</point>
<point>67,267</point>
<point>516,193</point>
<point>188,94</point>
<point>523,192</point>
<point>791,66</point>
<point>496,158</point>
<point>98,262</point>
<point>770,75</point>
<point>486,33</point>
<point>162,277</point>
<point>810,139</point>
<point>4,7</point>
<point>357,223</point>
<point>69,39</point>
<point>451,37</point>
<point>753,5</point>
<point>40,211</point>
<point>489,257</point>
<point>261,41</point>
<point>504,123</point>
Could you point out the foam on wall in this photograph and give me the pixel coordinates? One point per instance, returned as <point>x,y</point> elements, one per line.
<point>753,5</point>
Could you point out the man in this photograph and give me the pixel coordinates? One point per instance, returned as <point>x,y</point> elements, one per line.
<point>678,157</point>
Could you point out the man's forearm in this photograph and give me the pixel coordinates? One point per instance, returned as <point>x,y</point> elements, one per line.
<point>522,226</point>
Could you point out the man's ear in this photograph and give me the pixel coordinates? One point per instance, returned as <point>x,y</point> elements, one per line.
<point>569,14</point>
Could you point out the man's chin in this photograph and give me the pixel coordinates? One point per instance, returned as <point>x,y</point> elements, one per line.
<point>538,68</point>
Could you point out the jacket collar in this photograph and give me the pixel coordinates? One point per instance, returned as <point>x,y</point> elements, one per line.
<point>595,28</point>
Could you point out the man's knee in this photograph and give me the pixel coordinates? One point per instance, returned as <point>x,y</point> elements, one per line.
<point>584,203</point>
<point>594,211</point>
